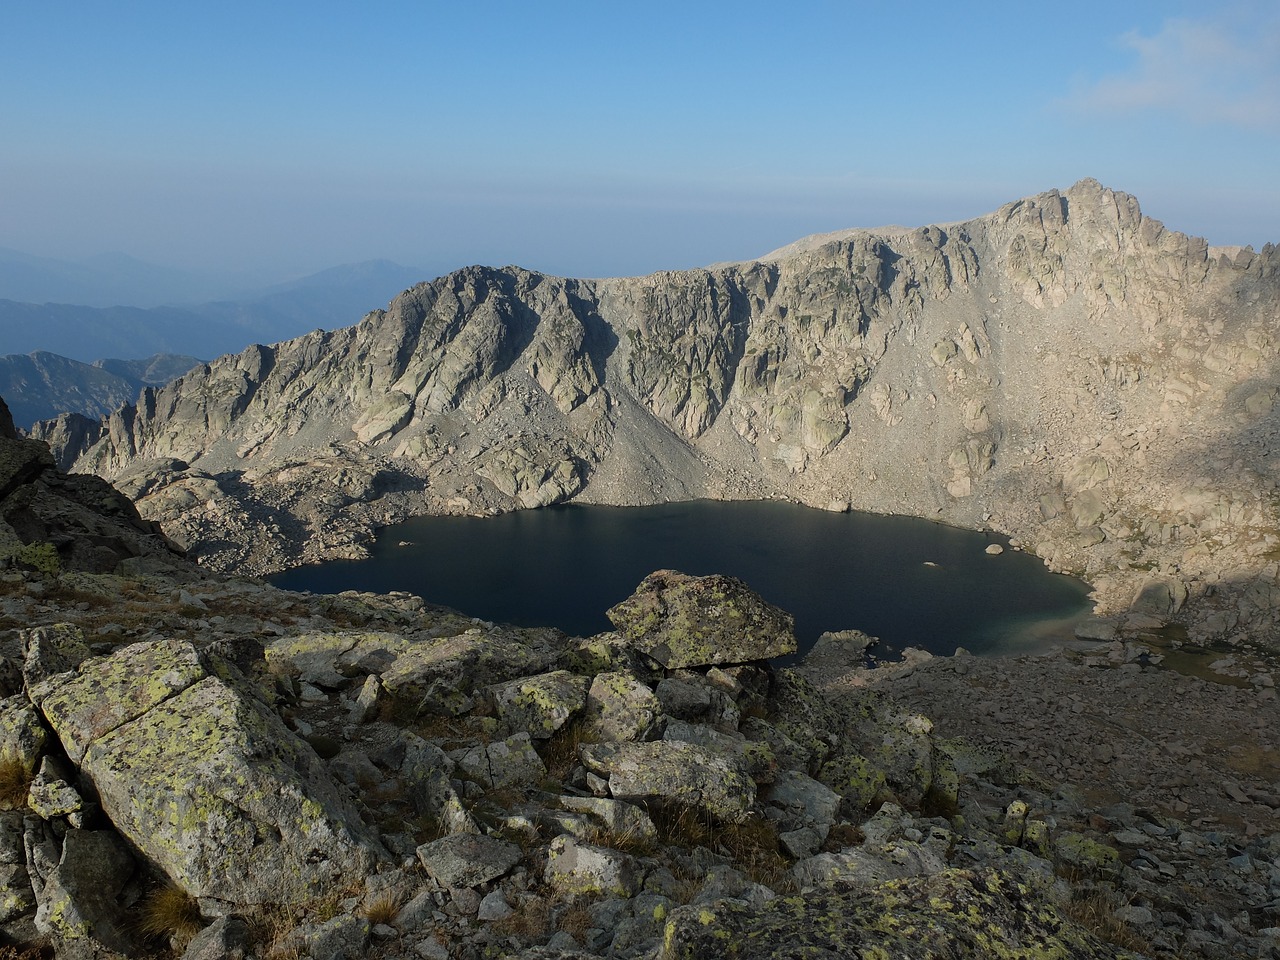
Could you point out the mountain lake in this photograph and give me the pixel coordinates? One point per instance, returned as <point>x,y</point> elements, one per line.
<point>909,582</point>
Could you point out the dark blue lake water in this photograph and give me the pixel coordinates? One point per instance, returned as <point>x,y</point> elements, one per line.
<point>908,581</point>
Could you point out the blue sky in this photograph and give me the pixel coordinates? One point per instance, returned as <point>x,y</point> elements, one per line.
<point>609,138</point>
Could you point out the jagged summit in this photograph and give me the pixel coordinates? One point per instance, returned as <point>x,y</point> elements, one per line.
<point>1064,370</point>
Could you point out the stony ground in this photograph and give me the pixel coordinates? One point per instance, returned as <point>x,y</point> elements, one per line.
<point>1153,792</point>
<point>1181,772</point>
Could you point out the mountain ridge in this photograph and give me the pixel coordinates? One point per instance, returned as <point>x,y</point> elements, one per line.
<point>1063,370</point>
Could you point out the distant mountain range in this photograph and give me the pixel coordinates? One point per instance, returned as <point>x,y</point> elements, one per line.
<point>108,280</point>
<point>41,385</point>
<point>336,297</point>
<point>52,350</point>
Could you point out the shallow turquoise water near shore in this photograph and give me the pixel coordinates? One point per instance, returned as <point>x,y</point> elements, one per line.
<point>907,581</point>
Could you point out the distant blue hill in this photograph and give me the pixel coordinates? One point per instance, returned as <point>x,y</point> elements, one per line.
<point>41,385</point>
<point>337,297</point>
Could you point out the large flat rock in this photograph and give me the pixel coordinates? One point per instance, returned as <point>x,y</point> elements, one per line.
<point>206,781</point>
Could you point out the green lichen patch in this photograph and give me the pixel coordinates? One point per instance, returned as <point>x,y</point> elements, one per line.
<point>40,557</point>
<point>111,691</point>
<point>210,781</point>
<point>956,913</point>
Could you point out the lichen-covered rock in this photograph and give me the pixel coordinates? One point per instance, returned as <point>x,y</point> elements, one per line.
<point>111,691</point>
<point>311,657</point>
<point>425,770</point>
<point>51,795</point>
<point>624,822</point>
<point>81,897</point>
<point>22,735</point>
<point>16,894</point>
<point>1079,854</point>
<point>502,763</point>
<point>620,707</point>
<point>542,704</point>
<point>227,938</point>
<point>577,869</point>
<point>467,859</point>
<point>440,677</point>
<point>754,756</point>
<point>855,778</point>
<point>684,621</point>
<point>956,913</point>
<point>802,801</point>
<point>674,772</point>
<point>207,780</point>
<point>51,650</point>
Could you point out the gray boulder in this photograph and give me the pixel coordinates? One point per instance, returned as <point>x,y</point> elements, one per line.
<point>227,938</point>
<point>620,707</point>
<point>80,899</point>
<point>674,772</point>
<point>503,763</point>
<point>203,779</point>
<point>542,704</point>
<point>578,869</point>
<point>440,677</point>
<point>685,621</point>
<point>467,859</point>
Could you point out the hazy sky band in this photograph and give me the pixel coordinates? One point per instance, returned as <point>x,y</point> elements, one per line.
<point>612,138</point>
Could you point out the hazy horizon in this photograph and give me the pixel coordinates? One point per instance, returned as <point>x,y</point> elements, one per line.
<point>591,140</point>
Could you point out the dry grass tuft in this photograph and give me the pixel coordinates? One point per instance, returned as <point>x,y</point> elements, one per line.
<point>27,951</point>
<point>170,912</point>
<point>752,844</point>
<point>560,752</point>
<point>841,836</point>
<point>530,919</point>
<point>15,782</point>
<point>1096,913</point>
<point>575,919</point>
<point>383,908</point>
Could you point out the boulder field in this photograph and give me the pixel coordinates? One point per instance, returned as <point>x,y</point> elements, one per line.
<point>200,766</point>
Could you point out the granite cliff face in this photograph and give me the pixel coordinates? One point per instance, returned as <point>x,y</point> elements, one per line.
<point>1064,370</point>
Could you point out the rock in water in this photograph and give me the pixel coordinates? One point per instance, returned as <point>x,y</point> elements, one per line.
<point>685,621</point>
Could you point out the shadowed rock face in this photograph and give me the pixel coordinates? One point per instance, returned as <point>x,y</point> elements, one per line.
<point>1064,370</point>
<point>53,521</point>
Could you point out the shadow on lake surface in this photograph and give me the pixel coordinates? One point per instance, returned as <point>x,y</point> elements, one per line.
<point>909,582</point>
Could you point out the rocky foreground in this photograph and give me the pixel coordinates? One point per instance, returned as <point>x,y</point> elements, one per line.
<point>200,767</point>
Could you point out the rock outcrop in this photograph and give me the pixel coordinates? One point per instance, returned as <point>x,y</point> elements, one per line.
<point>1064,370</point>
<point>684,621</point>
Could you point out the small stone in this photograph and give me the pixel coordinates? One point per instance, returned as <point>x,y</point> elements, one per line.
<point>575,869</point>
<point>494,906</point>
<point>431,949</point>
<point>463,902</point>
<point>365,706</point>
